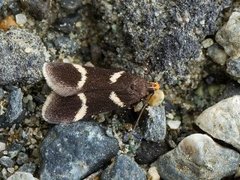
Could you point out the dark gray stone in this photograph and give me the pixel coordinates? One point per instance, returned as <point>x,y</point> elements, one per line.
<point>67,24</point>
<point>123,168</point>
<point>66,45</point>
<point>39,9</point>
<point>6,161</point>
<point>74,151</point>
<point>1,93</point>
<point>198,157</point>
<point>22,56</point>
<point>70,5</point>
<point>155,126</point>
<point>13,5</point>
<point>15,111</point>
<point>14,149</point>
<point>150,151</point>
<point>22,158</point>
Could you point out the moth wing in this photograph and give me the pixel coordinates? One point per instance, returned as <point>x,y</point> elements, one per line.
<point>64,78</point>
<point>69,79</point>
<point>59,109</point>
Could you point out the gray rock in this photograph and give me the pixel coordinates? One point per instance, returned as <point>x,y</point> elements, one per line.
<point>22,56</point>
<point>21,176</point>
<point>39,9</point>
<point>15,111</point>
<point>233,68</point>
<point>67,24</point>
<point>165,34</point>
<point>155,126</point>
<point>198,157</point>
<point>148,152</point>
<point>6,161</point>
<point>123,168</point>
<point>71,5</point>
<point>217,54</point>
<point>74,151</point>
<point>66,45</point>
<point>229,34</point>
<point>14,149</point>
<point>222,121</point>
<point>28,167</point>
<point>22,158</point>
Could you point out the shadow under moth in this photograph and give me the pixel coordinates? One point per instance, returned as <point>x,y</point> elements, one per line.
<point>80,91</point>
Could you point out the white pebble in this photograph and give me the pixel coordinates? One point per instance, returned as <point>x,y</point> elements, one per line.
<point>21,19</point>
<point>173,124</point>
<point>207,43</point>
<point>2,146</point>
<point>153,173</point>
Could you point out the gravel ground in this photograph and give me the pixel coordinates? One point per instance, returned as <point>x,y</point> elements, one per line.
<point>191,47</point>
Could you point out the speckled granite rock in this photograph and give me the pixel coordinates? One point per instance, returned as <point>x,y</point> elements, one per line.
<point>15,112</point>
<point>124,168</point>
<point>74,151</point>
<point>198,157</point>
<point>155,126</point>
<point>165,35</point>
<point>22,56</point>
<point>222,121</point>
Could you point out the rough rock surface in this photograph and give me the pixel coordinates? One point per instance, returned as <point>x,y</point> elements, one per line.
<point>229,34</point>
<point>222,121</point>
<point>124,168</point>
<point>73,151</point>
<point>22,56</point>
<point>198,157</point>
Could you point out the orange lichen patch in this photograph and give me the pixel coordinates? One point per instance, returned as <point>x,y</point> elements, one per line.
<point>156,98</point>
<point>7,23</point>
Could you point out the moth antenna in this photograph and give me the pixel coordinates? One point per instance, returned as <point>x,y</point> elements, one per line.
<point>141,112</point>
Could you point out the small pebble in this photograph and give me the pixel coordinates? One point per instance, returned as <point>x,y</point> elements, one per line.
<point>10,170</point>
<point>153,174</point>
<point>173,124</point>
<point>21,19</point>
<point>217,54</point>
<point>6,161</point>
<point>2,146</point>
<point>1,93</point>
<point>207,43</point>
<point>28,167</point>
<point>233,68</point>
<point>22,158</point>
<point>123,168</point>
<point>155,126</point>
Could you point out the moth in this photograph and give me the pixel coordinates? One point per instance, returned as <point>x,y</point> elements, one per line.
<point>80,91</point>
